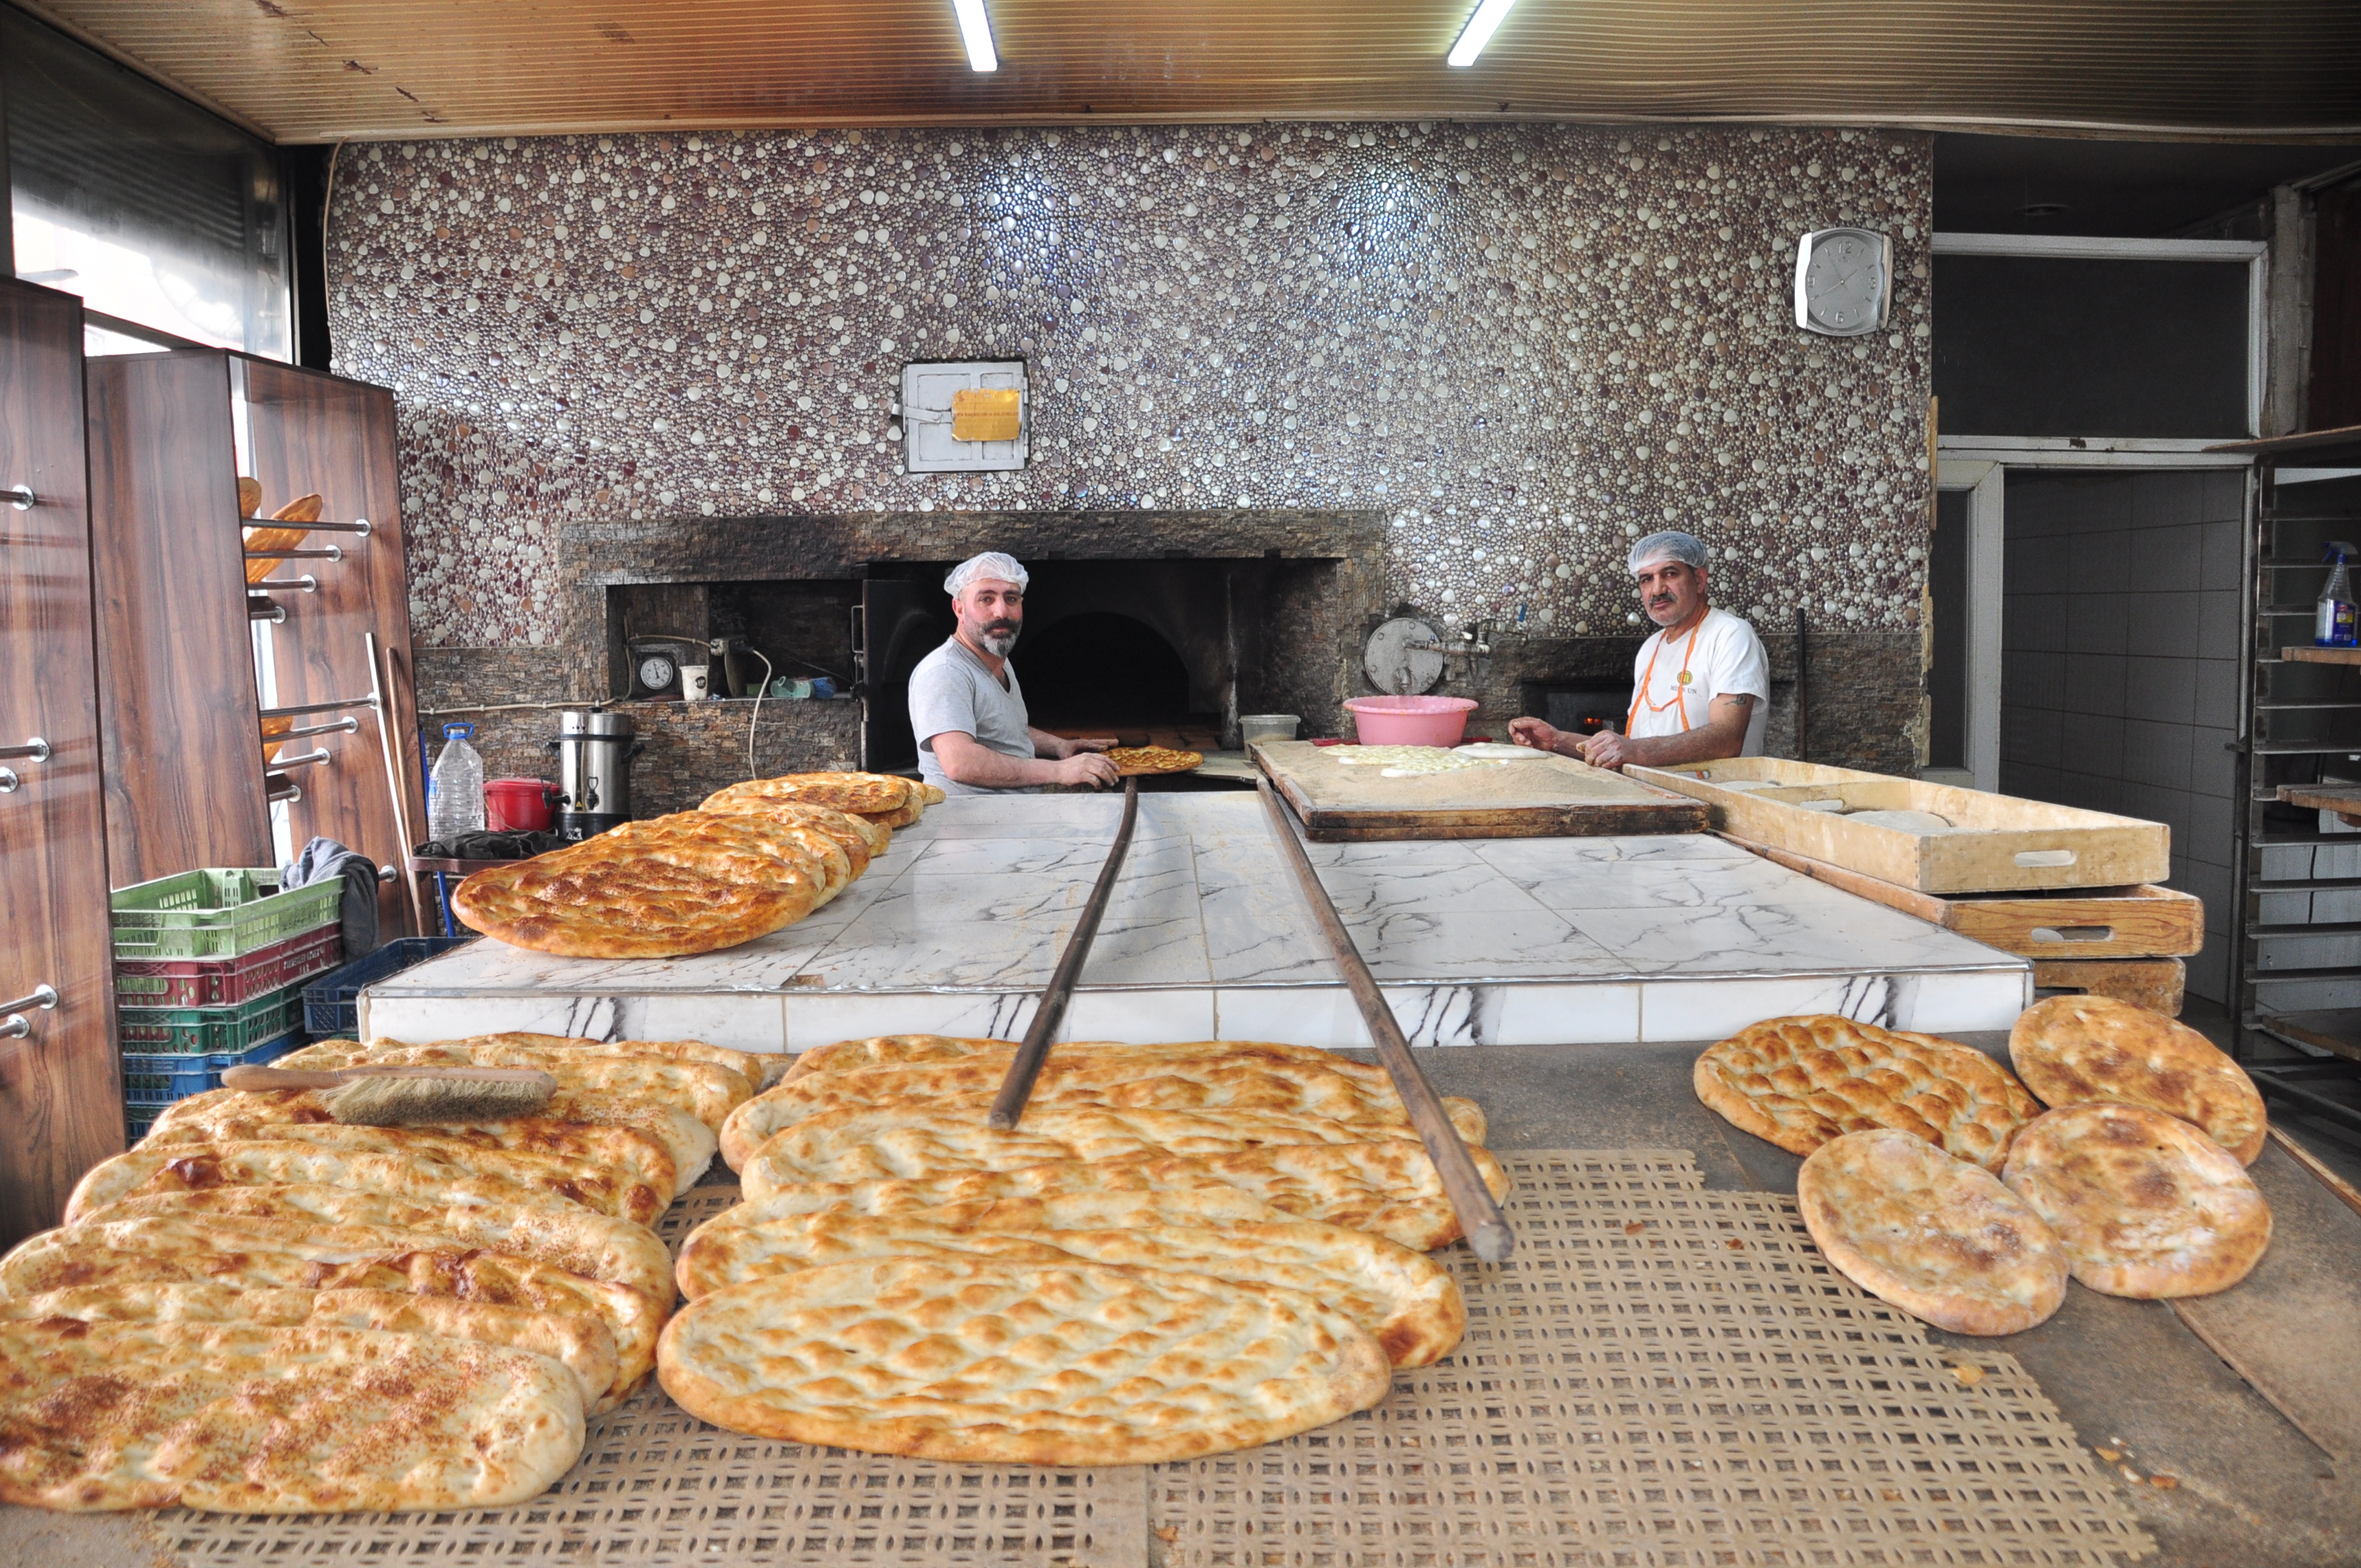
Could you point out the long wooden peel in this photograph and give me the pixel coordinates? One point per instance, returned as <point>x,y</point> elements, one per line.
<point>1479,1214</point>
<point>1017,1088</point>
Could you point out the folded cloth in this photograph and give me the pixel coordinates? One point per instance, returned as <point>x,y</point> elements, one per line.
<point>324,858</point>
<point>517,845</point>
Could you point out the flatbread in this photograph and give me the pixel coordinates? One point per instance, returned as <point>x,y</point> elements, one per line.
<point>2075,1050</point>
<point>864,794</point>
<point>1937,1237</point>
<point>874,1145</point>
<point>440,1175</point>
<point>652,1144</point>
<point>707,1091</point>
<point>1403,1300</point>
<point>1389,1189</point>
<point>1117,1080</point>
<point>220,1416</point>
<point>582,1345</point>
<point>691,883</point>
<point>264,1253</point>
<point>564,1235</point>
<point>987,1362</point>
<point>914,1050</point>
<point>863,839</point>
<point>2146,1205</point>
<point>757,1068</point>
<point>889,1050</point>
<point>1425,758</point>
<point>1139,762</point>
<point>390,1159</point>
<point>1800,1081</point>
<point>934,794</point>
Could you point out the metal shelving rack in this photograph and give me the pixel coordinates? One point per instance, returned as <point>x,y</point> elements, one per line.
<point>2297,976</point>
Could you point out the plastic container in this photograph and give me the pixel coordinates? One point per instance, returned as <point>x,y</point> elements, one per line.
<point>202,1031</point>
<point>227,983</point>
<point>1254,727</point>
<point>519,805</point>
<point>218,914</point>
<point>158,1081</point>
<point>2333,619</point>
<point>332,1002</point>
<point>459,804</point>
<point>1411,720</point>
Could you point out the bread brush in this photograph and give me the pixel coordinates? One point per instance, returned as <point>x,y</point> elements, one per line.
<point>390,1096</point>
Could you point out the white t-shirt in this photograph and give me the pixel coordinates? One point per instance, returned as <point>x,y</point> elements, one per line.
<point>1725,658</point>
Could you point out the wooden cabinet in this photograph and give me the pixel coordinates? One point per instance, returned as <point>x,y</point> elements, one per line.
<point>60,1093</point>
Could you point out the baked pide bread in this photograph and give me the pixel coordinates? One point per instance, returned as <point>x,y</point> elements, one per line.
<point>871,839</point>
<point>272,1421</point>
<point>2145,1204</point>
<point>933,793</point>
<point>1937,1237</point>
<point>705,1091</point>
<point>564,1235</point>
<point>870,796</point>
<point>984,1360</point>
<point>2078,1050</point>
<point>910,1051</point>
<point>691,883</point>
<point>755,1068</point>
<point>435,1171</point>
<point>1108,1079</point>
<point>991,1201</point>
<point>951,1135</point>
<point>581,1344</point>
<point>1386,1187</point>
<point>1405,1300</point>
<point>615,1158</point>
<point>1132,762</point>
<point>1799,1082</point>
<point>265,1254</point>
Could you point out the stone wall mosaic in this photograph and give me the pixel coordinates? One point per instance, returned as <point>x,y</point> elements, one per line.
<point>1525,344</point>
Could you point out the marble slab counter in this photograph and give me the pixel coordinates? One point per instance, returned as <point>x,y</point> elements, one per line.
<point>1500,941</point>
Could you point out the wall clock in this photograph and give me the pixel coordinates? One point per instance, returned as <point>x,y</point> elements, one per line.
<point>1844,281</point>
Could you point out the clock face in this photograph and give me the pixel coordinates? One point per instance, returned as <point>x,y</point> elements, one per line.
<point>656,672</point>
<point>1842,286</point>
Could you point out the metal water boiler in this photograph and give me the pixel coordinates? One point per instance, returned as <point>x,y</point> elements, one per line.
<point>594,759</point>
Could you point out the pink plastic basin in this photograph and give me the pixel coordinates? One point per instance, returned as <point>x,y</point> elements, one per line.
<point>1411,720</point>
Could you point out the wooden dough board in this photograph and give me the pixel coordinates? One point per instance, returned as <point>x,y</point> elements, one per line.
<point>1548,797</point>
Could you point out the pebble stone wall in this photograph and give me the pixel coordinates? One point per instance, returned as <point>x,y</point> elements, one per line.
<point>1525,344</point>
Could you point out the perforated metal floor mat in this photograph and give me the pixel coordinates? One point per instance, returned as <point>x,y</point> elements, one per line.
<point>657,1488</point>
<point>1664,1377</point>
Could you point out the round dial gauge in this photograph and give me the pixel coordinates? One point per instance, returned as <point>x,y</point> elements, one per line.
<point>656,672</point>
<point>1841,281</point>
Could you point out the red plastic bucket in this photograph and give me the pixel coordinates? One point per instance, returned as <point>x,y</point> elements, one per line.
<point>515,805</point>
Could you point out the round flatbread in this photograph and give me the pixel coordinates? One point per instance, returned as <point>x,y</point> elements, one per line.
<point>1937,1237</point>
<point>2079,1050</point>
<point>1135,762</point>
<point>668,887</point>
<point>1797,1082</point>
<point>855,833</point>
<point>865,794</point>
<point>2145,1204</point>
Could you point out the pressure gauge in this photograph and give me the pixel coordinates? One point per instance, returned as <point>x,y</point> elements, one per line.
<point>657,671</point>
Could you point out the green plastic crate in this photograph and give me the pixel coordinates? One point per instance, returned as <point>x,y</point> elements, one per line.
<point>216,914</point>
<point>198,1031</point>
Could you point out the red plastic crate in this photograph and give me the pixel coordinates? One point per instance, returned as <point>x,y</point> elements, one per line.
<point>228,983</point>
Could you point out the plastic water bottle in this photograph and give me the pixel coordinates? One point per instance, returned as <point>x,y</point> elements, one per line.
<point>2333,621</point>
<point>459,802</point>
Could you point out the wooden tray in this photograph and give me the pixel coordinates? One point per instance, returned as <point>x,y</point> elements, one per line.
<point>2142,922</point>
<point>1548,797</point>
<point>2156,984</point>
<point>2004,843</point>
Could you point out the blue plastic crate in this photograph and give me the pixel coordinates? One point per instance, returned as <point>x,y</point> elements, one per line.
<point>157,1080</point>
<point>332,1002</point>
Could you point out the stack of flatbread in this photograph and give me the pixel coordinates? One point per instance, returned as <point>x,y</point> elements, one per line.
<point>1183,1249</point>
<point>881,798</point>
<point>260,1310</point>
<point>1936,1182</point>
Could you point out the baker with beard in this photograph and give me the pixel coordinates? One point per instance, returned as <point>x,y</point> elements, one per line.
<point>968,710</point>
<point>1700,687</point>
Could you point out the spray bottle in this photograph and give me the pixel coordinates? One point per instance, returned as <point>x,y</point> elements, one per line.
<point>2334,622</point>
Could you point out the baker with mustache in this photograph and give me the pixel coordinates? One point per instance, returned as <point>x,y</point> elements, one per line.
<point>1701,686</point>
<point>968,710</point>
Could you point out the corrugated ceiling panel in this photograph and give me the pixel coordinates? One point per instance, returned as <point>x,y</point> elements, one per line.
<point>320,69</point>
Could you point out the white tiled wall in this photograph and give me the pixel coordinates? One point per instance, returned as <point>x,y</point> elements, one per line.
<point>2119,668</point>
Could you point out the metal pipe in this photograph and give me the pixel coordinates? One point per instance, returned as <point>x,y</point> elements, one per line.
<point>304,584</point>
<point>44,996</point>
<point>341,726</point>
<point>1479,1213</point>
<point>1017,1085</point>
<point>286,790</point>
<point>325,553</point>
<point>263,609</point>
<point>360,525</point>
<point>303,708</point>
<point>322,755</point>
<point>34,750</point>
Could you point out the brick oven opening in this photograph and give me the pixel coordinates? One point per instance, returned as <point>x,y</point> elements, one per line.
<point>1108,672</point>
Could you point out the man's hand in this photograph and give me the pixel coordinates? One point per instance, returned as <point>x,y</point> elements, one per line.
<point>1086,768</point>
<point>1057,748</point>
<point>1092,744</point>
<point>1607,749</point>
<point>1534,732</point>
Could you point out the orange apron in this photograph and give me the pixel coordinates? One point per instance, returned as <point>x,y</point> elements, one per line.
<point>1680,687</point>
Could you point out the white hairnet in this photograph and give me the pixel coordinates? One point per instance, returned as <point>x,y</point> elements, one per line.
<point>1671,545</point>
<point>991,563</point>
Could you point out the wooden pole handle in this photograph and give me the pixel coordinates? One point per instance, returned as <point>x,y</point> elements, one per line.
<point>258,1079</point>
<point>1479,1213</point>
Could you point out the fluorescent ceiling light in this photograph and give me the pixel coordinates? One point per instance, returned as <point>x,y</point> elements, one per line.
<point>975,31</point>
<point>1476,34</point>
